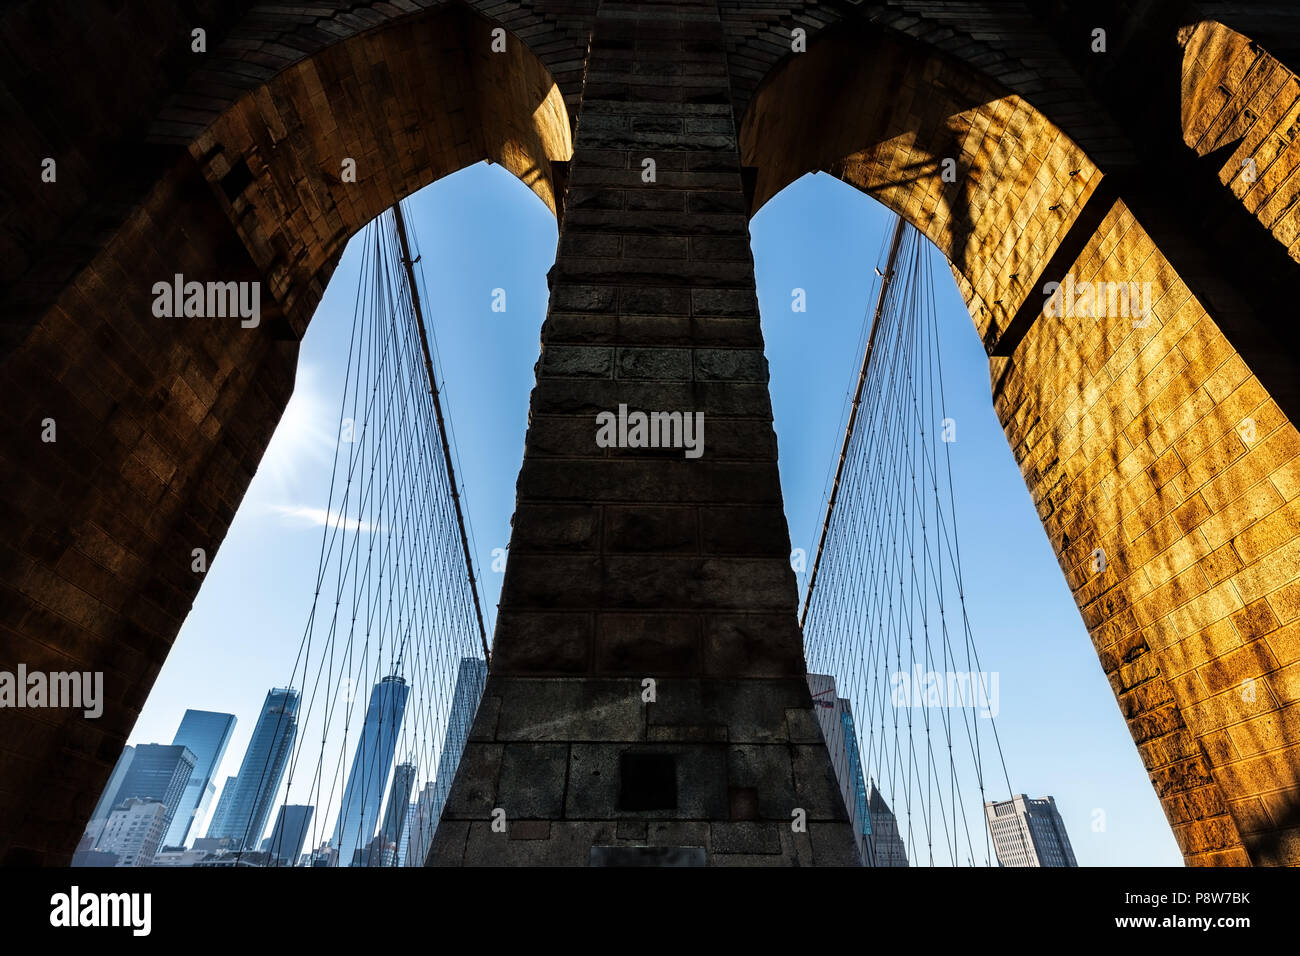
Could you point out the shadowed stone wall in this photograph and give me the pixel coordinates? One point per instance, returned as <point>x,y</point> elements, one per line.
<point>631,564</point>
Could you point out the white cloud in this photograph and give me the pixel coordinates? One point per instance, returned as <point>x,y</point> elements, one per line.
<point>320,517</point>
<point>305,438</point>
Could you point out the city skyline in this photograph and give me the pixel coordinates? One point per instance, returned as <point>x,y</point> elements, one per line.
<point>179,782</point>
<point>174,779</point>
<point>471,676</point>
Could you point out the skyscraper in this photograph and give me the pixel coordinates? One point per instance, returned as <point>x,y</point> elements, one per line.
<point>835,717</point>
<point>206,734</point>
<point>241,814</point>
<point>395,815</point>
<point>423,823</point>
<point>289,834</point>
<point>404,845</point>
<point>359,813</point>
<point>470,680</point>
<point>134,830</point>
<point>885,845</point>
<point>157,772</point>
<point>108,798</point>
<point>1028,832</point>
<point>217,823</point>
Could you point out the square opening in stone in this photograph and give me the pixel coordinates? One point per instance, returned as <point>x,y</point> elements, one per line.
<point>239,178</point>
<point>647,782</point>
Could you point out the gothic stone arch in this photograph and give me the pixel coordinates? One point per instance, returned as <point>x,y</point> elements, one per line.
<point>1158,442</point>
<point>160,425</point>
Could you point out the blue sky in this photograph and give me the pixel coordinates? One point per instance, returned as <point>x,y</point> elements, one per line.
<point>481,229</point>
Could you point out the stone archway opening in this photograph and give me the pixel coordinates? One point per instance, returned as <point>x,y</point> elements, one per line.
<point>244,633</point>
<point>162,423</point>
<point>822,234</point>
<point>1147,436</point>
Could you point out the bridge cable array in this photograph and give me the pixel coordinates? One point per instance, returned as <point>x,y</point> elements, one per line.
<point>393,653</point>
<point>885,612</point>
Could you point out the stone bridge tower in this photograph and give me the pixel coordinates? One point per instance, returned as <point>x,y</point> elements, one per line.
<point>635,565</point>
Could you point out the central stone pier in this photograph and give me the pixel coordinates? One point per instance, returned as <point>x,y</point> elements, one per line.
<point>647,700</point>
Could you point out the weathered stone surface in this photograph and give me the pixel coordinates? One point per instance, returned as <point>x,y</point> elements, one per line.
<point>531,781</point>
<point>484,727</point>
<point>756,645</point>
<point>647,856</point>
<point>474,792</point>
<point>574,709</point>
<point>832,844</point>
<point>744,838</point>
<point>671,365</point>
<point>752,710</point>
<point>649,645</point>
<point>568,842</point>
<point>814,783</point>
<point>556,528</point>
<point>766,769</point>
<point>555,643</point>
<point>663,529</point>
<point>561,361</point>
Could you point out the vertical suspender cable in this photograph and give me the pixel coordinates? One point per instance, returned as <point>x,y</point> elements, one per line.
<point>853,412</point>
<point>442,430</point>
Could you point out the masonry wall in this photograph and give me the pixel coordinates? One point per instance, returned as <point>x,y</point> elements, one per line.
<point>159,427</point>
<point>1151,444</point>
<point>630,565</point>
<point>160,421</point>
<point>1166,445</point>
<point>1241,103</point>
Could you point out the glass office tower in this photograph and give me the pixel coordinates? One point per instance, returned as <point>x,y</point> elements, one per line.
<point>107,799</point>
<point>835,717</point>
<point>289,833</point>
<point>217,823</point>
<point>470,681</point>
<point>395,815</point>
<point>206,734</point>
<point>242,815</point>
<point>157,772</point>
<point>359,813</point>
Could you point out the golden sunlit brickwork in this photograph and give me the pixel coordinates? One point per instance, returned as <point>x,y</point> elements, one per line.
<point>1241,103</point>
<point>1154,446</point>
<point>1149,440</point>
